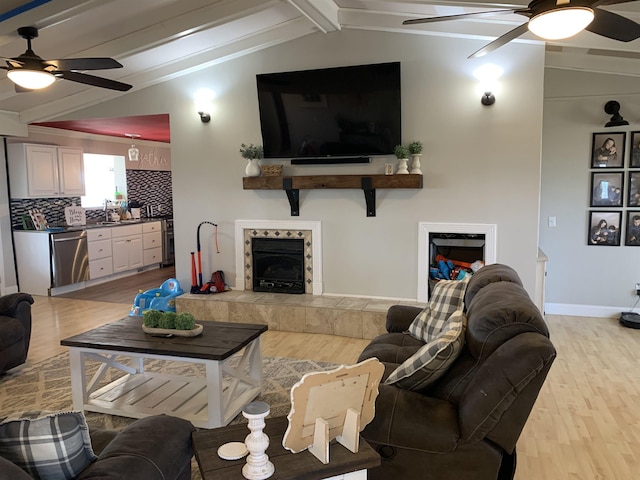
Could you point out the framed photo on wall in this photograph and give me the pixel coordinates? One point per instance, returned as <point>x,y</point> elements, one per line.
<point>632,230</point>
<point>604,228</point>
<point>607,189</point>
<point>633,187</point>
<point>607,150</point>
<point>635,150</point>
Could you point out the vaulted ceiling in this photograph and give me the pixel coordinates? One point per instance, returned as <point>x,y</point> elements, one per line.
<point>158,40</point>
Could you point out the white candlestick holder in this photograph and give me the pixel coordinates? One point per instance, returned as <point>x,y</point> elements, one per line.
<point>258,466</point>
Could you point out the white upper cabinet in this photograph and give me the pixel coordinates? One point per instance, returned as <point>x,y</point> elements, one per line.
<point>45,171</point>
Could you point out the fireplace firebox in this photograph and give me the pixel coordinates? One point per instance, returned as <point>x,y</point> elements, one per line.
<point>278,265</point>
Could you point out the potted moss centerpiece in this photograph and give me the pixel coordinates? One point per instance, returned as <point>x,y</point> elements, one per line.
<point>170,324</point>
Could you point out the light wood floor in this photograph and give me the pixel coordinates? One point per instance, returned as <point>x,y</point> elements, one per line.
<point>584,426</point>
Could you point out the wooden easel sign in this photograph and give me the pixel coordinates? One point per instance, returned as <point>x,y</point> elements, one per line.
<point>335,404</point>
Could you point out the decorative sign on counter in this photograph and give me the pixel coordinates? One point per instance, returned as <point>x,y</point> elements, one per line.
<point>75,215</point>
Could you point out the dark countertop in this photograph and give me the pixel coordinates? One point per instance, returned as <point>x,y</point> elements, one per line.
<point>99,224</point>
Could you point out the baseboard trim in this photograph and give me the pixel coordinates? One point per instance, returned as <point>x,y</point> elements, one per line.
<point>596,311</point>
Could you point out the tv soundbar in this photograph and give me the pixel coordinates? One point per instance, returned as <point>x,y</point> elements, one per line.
<point>329,160</point>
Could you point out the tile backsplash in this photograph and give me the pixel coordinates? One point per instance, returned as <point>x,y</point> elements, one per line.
<point>147,187</point>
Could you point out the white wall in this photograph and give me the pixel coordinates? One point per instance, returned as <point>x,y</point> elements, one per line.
<point>480,164</point>
<point>583,279</point>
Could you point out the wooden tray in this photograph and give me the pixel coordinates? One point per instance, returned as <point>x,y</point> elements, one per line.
<point>172,332</point>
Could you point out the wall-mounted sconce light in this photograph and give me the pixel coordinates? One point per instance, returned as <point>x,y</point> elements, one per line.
<point>134,152</point>
<point>488,75</point>
<point>203,99</point>
<point>613,108</point>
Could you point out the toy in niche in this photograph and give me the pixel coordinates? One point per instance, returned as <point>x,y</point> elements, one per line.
<point>604,228</point>
<point>607,150</point>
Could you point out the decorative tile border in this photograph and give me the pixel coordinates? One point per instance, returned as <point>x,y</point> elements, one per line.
<point>310,231</point>
<point>308,253</point>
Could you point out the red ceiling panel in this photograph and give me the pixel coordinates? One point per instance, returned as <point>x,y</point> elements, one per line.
<point>149,127</point>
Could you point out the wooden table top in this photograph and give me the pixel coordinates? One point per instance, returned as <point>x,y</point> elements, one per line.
<point>218,341</point>
<point>289,466</point>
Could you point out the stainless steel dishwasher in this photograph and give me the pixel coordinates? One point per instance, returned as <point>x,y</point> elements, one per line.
<point>69,258</point>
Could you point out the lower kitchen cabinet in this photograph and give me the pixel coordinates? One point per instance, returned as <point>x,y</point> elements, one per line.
<point>152,243</point>
<point>127,252</point>
<point>100,252</point>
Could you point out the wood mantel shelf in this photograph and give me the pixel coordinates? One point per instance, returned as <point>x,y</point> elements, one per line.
<point>368,183</point>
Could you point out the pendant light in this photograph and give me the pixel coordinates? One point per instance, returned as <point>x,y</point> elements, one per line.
<point>134,152</point>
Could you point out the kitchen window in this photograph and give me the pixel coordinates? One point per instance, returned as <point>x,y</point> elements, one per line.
<point>103,176</point>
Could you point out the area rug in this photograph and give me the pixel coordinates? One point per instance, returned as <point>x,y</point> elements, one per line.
<point>47,386</point>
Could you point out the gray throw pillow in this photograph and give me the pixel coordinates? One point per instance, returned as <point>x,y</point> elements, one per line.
<point>447,297</point>
<point>432,360</point>
<point>50,447</point>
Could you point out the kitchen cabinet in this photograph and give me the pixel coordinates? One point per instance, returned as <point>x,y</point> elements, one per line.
<point>45,171</point>
<point>126,248</point>
<point>100,252</point>
<point>152,243</point>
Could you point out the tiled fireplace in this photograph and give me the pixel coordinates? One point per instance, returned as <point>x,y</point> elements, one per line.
<point>309,231</point>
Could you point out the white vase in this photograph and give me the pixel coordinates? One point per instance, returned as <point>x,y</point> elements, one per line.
<point>402,166</point>
<point>415,165</point>
<point>253,168</point>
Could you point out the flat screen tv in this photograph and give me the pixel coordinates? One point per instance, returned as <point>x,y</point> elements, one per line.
<point>332,113</point>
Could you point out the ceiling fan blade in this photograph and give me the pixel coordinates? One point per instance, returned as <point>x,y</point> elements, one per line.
<point>100,63</point>
<point>94,81</point>
<point>500,41</point>
<point>600,3</point>
<point>455,17</point>
<point>614,26</point>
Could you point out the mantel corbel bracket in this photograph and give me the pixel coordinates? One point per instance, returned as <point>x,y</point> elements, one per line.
<point>293,194</point>
<point>369,195</point>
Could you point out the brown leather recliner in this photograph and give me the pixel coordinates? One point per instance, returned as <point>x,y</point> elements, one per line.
<point>15,329</point>
<point>465,425</point>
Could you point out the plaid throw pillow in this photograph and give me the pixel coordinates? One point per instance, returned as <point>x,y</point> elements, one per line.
<point>447,297</point>
<point>429,363</point>
<point>52,447</point>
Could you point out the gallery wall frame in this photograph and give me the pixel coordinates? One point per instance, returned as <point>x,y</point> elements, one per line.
<point>604,228</point>
<point>634,160</point>
<point>607,149</point>
<point>607,189</point>
<point>632,229</point>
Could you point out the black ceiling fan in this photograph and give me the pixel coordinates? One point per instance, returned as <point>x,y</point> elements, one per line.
<point>67,69</point>
<point>604,23</point>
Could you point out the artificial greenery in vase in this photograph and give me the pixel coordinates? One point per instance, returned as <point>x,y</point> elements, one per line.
<point>402,154</point>
<point>415,148</point>
<point>400,151</point>
<point>253,153</point>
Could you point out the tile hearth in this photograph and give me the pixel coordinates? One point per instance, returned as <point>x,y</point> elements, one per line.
<point>356,317</point>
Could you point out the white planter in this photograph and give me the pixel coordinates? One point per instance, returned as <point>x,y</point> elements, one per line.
<point>253,168</point>
<point>415,165</point>
<point>402,166</point>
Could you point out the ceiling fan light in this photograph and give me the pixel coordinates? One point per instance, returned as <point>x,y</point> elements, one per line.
<point>559,23</point>
<point>31,79</point>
